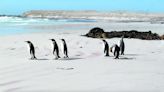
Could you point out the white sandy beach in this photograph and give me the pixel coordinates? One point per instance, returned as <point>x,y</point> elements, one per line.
<point>139,70</point>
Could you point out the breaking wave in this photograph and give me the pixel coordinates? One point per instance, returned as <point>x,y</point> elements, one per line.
<point>26,21</point>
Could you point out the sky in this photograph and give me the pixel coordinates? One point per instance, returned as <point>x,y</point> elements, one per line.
<point>17,7</point>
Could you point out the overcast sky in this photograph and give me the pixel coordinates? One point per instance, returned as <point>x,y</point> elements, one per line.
<point>17,7</point>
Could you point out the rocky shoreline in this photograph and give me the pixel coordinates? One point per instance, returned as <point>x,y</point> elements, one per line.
<point>100,33</point>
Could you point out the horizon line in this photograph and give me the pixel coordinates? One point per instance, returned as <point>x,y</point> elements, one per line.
<point>108,11</point>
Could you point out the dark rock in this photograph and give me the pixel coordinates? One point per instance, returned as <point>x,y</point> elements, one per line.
<point>162,37</point>
<point>95,33</point>
<point>99,33</point>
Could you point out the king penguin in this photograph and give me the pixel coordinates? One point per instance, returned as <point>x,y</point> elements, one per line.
<point>64,48</point>
<point>116,50</point>
<point>122,45</point>
<point>106,48</point>
<point>32,49</point>
<point>55,48</point>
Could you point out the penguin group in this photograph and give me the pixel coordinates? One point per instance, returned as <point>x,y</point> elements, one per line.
<point>55,49</point>
<point>115,49</point>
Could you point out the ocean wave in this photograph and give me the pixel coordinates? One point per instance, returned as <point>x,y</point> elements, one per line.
<point>20,20</point>
<point>26,21</point>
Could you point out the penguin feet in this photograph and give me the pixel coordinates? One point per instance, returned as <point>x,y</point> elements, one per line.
<point>30,58</point>
<point>56,58</point>
<point>106,55</point>
<point>33,58</point>
<point>122,53</point>
<point>66,57</point>
<point>116,58</point>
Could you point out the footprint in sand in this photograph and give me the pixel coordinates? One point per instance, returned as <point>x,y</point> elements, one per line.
<point>11,48</point>
<point>79,53</point>
<point>87,43</point>
<point>64,68</point>
<point>10,83</point>
<point>77,43</point>
<point>13,89</point>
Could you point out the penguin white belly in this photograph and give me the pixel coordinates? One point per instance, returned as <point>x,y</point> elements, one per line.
<point>103,46</point>
<point>52,46</point>
<point>113,49</point>
<point>28,47</point>
<point>62,48</point>
<point>119,43</point>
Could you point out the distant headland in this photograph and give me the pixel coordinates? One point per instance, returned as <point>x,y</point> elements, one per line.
<point>91,14</point>
<point>121,16</point>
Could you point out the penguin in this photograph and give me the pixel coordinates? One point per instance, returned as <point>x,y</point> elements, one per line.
<point>55,49</point>
<point>106,48</point>
<point>32,49</point>
<point>64,48</point>
<point>122,45</point>
<point>116,50</point>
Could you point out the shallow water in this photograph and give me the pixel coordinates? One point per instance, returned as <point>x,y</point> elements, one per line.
<point>16,25</point>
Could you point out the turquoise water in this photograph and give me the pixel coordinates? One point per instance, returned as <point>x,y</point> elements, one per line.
<point>16,25</point>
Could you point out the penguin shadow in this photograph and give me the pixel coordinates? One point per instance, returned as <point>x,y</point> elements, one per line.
<point>39,59</point>
<point>69,59</point>
<point>132,54</point>
<point>126,58</point>
<point>42,59</point>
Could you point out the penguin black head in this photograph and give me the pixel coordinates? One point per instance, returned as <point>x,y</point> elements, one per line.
<point>63,40</point>
<point>104,40</point>
<point>28,42</point>
<point>52,40</point>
